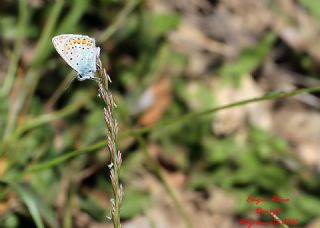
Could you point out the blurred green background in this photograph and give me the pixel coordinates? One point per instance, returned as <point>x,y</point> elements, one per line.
<point>184,163</point>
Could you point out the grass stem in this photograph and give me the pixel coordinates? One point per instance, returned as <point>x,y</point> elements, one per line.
<point>112,133</point>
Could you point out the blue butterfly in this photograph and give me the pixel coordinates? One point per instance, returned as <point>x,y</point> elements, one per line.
<point>80,52</point>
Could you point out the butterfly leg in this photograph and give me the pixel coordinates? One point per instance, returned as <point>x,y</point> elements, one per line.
<point>109,79</point>
<point>96,79</point>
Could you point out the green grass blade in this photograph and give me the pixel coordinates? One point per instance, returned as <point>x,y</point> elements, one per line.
<point>23,22</point>
<point>45,39</point>
<point>63,158</point>
<point>119,21</point>
<point>313,7</point>
<point>180,119</point>
<point>31,204</point>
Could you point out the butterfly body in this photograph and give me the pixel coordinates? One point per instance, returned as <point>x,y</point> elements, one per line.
<point>80,52</point>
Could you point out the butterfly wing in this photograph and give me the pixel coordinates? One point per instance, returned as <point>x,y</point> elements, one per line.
<point>59,44</point>
<point>79,52</point>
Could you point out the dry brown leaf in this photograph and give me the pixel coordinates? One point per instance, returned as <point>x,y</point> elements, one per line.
<point>161,92</point>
